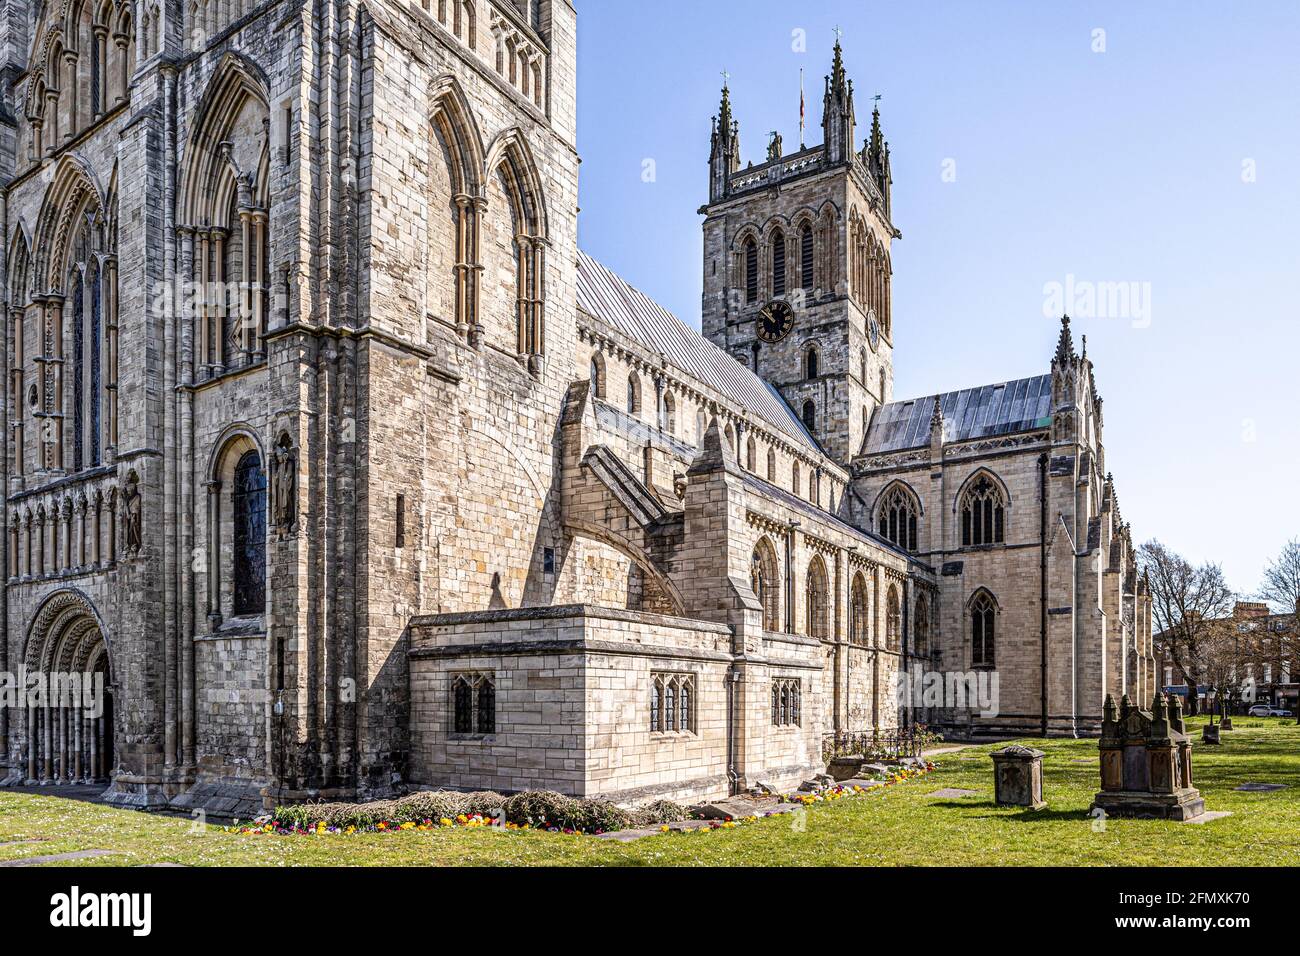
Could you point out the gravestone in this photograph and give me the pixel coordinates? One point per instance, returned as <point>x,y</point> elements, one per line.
<point>1146,762</point>
<point>1018,777</point>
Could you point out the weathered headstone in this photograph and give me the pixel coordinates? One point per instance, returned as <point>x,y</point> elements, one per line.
<point>1146,762</point>
<point>1018,777</point>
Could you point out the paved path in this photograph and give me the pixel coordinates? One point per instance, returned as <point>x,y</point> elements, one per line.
<point>56,857</point>
<point>87,793</point>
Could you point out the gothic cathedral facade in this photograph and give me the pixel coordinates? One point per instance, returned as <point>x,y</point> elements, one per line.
<point>344,470</point>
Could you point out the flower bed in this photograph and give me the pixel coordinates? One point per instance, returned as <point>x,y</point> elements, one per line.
<point>531,810</point>
<point>426,810</point>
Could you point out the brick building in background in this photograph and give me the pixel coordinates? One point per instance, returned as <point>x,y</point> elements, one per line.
<point>1260,650</point>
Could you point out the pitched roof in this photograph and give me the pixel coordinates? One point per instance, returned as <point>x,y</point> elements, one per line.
<point>606,296</point>
<point>983,412</point>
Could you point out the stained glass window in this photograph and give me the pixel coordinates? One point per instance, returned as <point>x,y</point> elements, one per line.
<point>249,512</point>
<point>897,518</point>
<point>983,616</point>
<point>982,514</point>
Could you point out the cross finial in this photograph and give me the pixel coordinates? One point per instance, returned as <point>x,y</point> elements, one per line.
<point>838,32</point>
<point>725,77</point>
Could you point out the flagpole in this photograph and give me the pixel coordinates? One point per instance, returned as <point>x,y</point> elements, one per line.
<point>801,108</point>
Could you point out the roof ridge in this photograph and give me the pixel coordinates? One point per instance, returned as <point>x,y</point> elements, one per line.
<point>606,295</point>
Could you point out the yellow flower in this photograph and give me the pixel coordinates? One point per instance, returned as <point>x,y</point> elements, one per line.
<point>664,828</point>
<point>445,822</point>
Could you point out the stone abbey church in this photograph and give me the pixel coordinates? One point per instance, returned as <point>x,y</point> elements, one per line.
<point>344,468</point>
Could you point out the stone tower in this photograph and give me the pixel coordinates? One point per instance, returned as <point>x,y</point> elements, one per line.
<point>797,266</point>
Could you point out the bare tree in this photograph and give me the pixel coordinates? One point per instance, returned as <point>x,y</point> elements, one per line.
<point>1189,605</point>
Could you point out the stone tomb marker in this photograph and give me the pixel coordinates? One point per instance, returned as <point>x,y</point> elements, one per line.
<point>1018,777</point>
<point>1146,762</point>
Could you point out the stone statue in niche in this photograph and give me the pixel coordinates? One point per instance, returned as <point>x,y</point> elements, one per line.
<point>284,482</point>
<point>132,513</point>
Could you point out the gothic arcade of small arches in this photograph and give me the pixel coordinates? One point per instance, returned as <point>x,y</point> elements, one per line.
<point>67,738</point>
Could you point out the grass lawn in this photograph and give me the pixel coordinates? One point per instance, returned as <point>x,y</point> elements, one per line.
<point>899,826</point>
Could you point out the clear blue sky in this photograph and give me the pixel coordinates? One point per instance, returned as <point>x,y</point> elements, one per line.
<point>1126,165</point>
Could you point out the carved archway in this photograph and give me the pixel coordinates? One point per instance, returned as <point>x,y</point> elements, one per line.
<point>68,726</point>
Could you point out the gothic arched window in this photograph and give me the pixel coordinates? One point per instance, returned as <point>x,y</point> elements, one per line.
<point>751,453</point>
<point>810,415</point>
<point>771,464</point>
<point>764,579</point>
<point>462,705</point>
<point>806,257</point>
<point>785,702</point>
<point>816,592</point>
<point>810,364</point>
<point>225,208</point>
<point>778,263</point>
<point>751,271</point>
<point>893,620</point>
<point>896,517</point>
<point>633,393</point>
<point>672,698</point>
<point>982,513</point>
<point>249,514</point>
<point>83,310</point>
<point>921,627</point>
<point>485,709</point>
<point>983,618</point>
<point>859,630</point>
<point>473,704</point>
<point>670,414</point>
<point>597,375</point>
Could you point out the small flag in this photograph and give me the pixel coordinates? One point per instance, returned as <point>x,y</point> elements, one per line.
<point>802,110</point>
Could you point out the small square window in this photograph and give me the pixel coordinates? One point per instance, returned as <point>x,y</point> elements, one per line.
<point>672,703</point>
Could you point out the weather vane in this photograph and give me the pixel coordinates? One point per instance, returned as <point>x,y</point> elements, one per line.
<point>725,77</point>
<point>838,32</point>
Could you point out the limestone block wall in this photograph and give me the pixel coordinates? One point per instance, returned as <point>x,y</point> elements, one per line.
<point>231,707</point>
<point>572,686</point>
<point>453,417</point>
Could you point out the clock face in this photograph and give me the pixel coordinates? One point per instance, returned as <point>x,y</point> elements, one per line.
<point>775,321</point>
<point>873,330</point>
